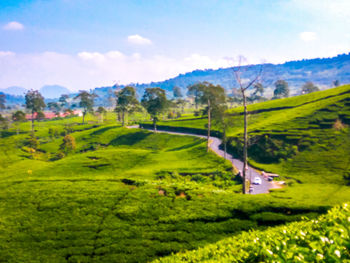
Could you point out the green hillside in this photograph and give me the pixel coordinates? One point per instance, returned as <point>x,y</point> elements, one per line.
<point>125,195</point>
<point>326,239</point>
<point>304,137</point>
<point>129,195</point>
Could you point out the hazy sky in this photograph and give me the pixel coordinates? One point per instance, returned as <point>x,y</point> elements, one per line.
<point>82,44</point>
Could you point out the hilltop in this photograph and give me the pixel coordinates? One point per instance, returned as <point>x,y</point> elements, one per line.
<point>321,71</point>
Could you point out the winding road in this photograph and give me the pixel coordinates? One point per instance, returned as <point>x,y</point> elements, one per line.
<point>263,188</point>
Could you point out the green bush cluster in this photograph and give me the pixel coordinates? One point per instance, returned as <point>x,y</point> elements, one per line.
<point>325,239</point>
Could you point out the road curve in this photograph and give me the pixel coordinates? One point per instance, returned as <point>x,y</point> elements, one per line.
<point>263,188</point>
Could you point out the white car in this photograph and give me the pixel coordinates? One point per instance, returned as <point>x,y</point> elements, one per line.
<point>257,180</point>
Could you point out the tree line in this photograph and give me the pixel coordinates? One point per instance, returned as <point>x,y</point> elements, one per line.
<point>212,99</point>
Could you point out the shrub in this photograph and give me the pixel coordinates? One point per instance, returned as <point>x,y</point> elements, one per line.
<point>338,125</point>
<point>68,144</point>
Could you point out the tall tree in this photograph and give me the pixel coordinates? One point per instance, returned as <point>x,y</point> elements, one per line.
<point>155,102</point>
<point>35,103</point>
<point>126,102</point>
<point>86,101</point>
<point>211,96</point>
<point>2,101</point>
<point>193,92</point>
<point>101,111</point>
<point>244,86</point>
<point>181,104</point>
<point>4,123</point>
<point>54,107</point>
<point>258,88</point>
<point>63,101</point>
<point>222,120</point>
<point>177,92</point>
<point>336,83</point>
<point>281,89</point>
<point>17,117</point>
<point>309,87</point>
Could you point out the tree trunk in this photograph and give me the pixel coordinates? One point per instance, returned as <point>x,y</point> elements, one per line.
<point>225,150</point>
<point>154,124</point>
<point>245,147</point>
<point>209,124</point>
<point>84,116</point>
<point>32,121</point>
<point>123,118</point>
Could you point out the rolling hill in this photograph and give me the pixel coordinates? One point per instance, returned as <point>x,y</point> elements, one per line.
<point>293,134</point>
<point>320,71</point>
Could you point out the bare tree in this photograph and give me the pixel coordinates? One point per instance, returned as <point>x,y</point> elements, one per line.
<point>238,71</point>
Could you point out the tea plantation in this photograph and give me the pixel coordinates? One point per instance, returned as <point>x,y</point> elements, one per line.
<point>326,239</point>
<point>129,195</point>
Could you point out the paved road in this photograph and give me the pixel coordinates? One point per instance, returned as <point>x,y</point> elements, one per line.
<point>251,174</point>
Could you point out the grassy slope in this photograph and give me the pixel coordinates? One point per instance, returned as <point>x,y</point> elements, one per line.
<point>304,121</point>
<point>66,211</point>
<point>131,204</point>
<point>323,240</point>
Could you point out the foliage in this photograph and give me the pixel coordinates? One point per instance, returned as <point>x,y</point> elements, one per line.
<point>4,122</point>
<point>54,107</point>
<point>86,101</point>
<point>63,100</point>
<point>40,115</point>
<point>309,87</point>
<point>101,110</point>
<point>19,116</point>
<point>34,101</point>
<point>177,92</point>
<point>281,89</point>
<point>32,141</point>
<point>210,95</point>
<point>258,88</point>
<point>323,240</point>
<point>155,102</point>
<point>126,102</point>
<point>68,144</point>
<point>2,101</point>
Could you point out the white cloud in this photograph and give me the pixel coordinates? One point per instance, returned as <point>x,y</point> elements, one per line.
<point>308,36</point>
<point>13,26</point>
<point>139,40</point>
<point>87,70</point>
<point>6,53</point>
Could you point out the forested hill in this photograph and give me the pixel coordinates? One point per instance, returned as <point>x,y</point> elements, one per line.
<point>323,72</point>
<point>320,71</point>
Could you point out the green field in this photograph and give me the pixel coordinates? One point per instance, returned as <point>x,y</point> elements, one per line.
<point>129,195</point>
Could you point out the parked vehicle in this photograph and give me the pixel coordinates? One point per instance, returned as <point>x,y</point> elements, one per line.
<point>257,180</point>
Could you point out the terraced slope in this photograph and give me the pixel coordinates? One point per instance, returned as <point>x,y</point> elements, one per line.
<point>323,240</point>
<point>299,137</point>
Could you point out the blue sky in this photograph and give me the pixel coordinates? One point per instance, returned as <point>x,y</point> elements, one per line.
<point>81,44</point>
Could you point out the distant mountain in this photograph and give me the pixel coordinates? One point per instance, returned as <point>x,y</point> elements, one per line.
<point>15,90</point>
<point>12,100</point>
<point>322,72</point>
<point>53,91</point>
